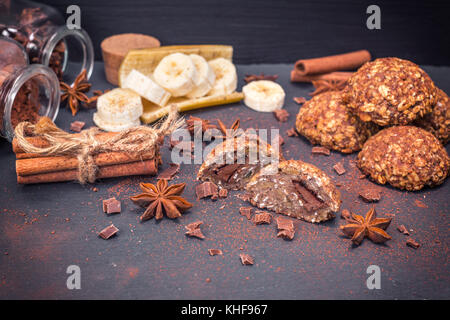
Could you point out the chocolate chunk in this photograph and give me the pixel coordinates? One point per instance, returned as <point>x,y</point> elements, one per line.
<point>281,114</point>
<point>320,150</point>
<point>206,189</point>
<point>77,126</point>
<point>213,252</point>
<point>262,218</point>
<point>292,133</point>
<point>412,243</point>
<point>170,172</point>
<point>339,168</point>
<point>370,194</point>
<point>300,100</point>
<point>286,234</point>
<point>403,230</point>
<point>246,211</point>
<point>111,205</point>
<point>311,201</point>
<point>243,197</point>
<point>345,214</point>
<point>225,172</point>
<point>223,193</point>
<point>246,259</point>
<point>193,230</point>
<point>285,224</point>
<point>108,232</point>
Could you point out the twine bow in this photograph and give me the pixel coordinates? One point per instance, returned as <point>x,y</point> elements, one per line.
<point>136,140</point>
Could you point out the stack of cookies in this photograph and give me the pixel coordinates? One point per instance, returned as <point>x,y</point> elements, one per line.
<point>397,99</point>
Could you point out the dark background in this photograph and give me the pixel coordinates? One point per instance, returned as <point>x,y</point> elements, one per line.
<point>269,31</point>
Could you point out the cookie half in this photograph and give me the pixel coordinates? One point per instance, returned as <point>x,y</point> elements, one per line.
<point>390,91</point>
<point>325,120</point>
<point>296,189</point>
<point>406,157</point>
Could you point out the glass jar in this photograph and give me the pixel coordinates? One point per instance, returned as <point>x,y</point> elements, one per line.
<point>42,31</point>
<point>27,92</point>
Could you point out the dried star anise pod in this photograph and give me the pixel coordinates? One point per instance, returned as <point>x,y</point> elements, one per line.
<point>160,199</point>
<point>358,228</point>
<point>327,85</point>
<point>254,77</point>
<point>197,125</point>
<point>75,94</point>
<point>232,132</point>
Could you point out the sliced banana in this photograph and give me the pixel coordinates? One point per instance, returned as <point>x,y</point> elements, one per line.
<point>226,77</point>
<point>146,87</point>
<point>176,73</point>
<point>204,79</point>
<point>263,95</point>
<point>118,109</point>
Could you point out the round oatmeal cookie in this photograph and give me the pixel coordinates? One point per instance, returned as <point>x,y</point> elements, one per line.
<point>390,91</point>
<point>406,157</point>
<point>438,121</point>
<point>325,120</point>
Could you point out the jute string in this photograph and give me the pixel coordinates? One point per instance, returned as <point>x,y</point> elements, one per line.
<point>136,140</point>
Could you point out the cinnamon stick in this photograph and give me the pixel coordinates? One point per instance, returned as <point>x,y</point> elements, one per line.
<point>332,76</point>
<point>147,167</point>
<point>346,61</point>
<point>31,166</point>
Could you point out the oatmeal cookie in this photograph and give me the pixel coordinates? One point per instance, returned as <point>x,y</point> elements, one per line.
<point>390,91</point>
<point>296,189</point>
<point>231,164</point>
<point>406,157</point>
<point>325,120</point>
<point>438,121</point>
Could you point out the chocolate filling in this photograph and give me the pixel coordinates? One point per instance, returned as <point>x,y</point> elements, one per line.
<point>224,173</point>
<point>310,199</point>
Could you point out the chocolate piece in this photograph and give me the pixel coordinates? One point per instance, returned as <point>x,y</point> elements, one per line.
<point>286,234</point>
<point>246,259</point>
<point>299,100</point>
<point>281,114</point>
<point>111,205</point>
<point>213,252</point>
<point>108,232</point>
<point>77,126</point>
<point>262,218</point>
<point>339,168</point>
<point>246,211</point>
<point>320,150</point>
<point>193,230</point>
<point>402,229</point>
<point>370,194</point>
<point>345,214</point>
<point>232,163</point>
<point>170,172</point>
<point>285,224</point>
<point>406,157</point>
<point>223,193</point>
<point>295,188</point>
<point>292,133</point>
<point>206,189</point>
<point>389,91</point>
<point>253,77</point>
<point>412,243</point>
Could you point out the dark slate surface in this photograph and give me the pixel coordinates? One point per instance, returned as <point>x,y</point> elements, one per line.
<point>46,228</point>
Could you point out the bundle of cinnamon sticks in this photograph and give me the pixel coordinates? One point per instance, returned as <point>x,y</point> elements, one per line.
<point>36,168</point>
<point>331,68</point>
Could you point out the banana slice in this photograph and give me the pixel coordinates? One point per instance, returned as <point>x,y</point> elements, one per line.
<point>226,77</point>
<point>146,87</point>
<point>263,95</point>
<point>205,78</point>
<point>176,73</point>
<point>118,109</point>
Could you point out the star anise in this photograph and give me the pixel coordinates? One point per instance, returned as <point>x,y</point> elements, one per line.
<point>197,125</point>
<point>327,85</point>
<point>160,199</point>
<point>75,93</point>
<point>358,228</point>
<point>232,132</point>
